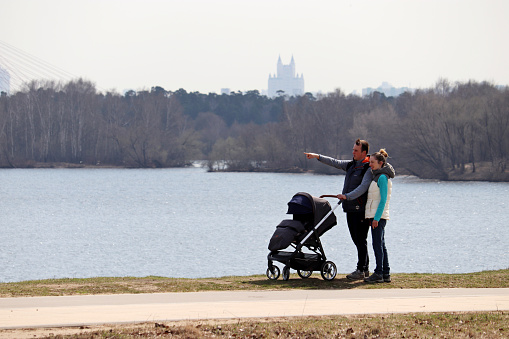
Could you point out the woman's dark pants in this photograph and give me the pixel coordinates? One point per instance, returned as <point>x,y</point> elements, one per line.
<point>378,239</point>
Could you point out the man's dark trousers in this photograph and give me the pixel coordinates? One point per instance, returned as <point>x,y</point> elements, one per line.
<point>359,228</point>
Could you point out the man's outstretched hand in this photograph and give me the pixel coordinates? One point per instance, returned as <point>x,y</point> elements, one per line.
<point>312,155</point>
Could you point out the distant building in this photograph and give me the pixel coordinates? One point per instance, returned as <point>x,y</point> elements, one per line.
<point>286,82</point>
<point>5,81</point>
<point>386,89</point>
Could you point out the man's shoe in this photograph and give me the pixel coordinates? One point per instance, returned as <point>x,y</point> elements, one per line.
<point>374,278</point>
<point>357,275</point>
<point>387,278</point>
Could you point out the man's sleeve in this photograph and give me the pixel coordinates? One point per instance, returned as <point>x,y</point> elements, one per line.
<point>341,164</point>
<point>362,188</point>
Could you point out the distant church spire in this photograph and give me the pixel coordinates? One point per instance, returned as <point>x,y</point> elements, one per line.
<point>286,80</point>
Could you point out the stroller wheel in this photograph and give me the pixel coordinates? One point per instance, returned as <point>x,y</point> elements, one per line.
<point>329,270</point>
<point>304,274</point>
<point>274,273</point>
<point>286,273</point>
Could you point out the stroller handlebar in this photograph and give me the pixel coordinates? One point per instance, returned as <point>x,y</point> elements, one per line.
<point>332,196</point>
<point>329,196</point>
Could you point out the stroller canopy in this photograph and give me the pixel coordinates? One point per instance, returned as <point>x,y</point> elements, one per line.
<point>304,203</point>
<point>299,204</point>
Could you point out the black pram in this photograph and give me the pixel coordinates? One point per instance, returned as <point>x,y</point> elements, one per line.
<point>312,217</point>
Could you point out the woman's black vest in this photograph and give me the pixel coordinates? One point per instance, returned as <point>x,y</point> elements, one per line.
<point>353,178</point>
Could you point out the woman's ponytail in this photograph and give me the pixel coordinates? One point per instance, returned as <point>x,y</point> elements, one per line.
<point>383,152</point>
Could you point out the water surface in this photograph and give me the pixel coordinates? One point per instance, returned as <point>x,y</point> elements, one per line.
<point>189,223</point>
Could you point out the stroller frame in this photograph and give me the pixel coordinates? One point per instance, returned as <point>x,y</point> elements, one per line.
<point>304,263</point>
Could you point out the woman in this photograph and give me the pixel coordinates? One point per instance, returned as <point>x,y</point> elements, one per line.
<point>377,213</point>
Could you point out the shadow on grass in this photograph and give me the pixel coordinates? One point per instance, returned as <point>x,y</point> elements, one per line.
<point>312,283</point>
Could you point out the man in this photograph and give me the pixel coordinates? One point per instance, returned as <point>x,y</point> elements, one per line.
<point>354,196</point>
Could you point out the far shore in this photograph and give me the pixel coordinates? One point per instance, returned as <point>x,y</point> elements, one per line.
<point>483,172</point>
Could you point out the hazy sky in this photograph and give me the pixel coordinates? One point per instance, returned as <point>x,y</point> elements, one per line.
<point>204,45</point>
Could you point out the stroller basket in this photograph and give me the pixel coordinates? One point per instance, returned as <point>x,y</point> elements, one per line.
<point>300,261</point>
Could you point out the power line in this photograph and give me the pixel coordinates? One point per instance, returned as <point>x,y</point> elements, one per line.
<point>19,68</point>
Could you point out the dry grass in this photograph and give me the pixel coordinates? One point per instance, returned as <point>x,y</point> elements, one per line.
<point>56,287</point>
<point>420,325</point>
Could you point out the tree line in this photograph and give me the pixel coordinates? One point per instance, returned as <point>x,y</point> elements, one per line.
<point>445,132</point>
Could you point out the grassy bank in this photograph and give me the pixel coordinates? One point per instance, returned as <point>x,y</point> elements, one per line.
<point>56,287</point>
<point>417,325</point>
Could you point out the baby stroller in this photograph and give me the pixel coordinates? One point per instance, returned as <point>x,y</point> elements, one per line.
<point>312,217</point>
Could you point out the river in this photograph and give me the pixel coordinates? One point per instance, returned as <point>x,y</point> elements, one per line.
<point>79,223</point>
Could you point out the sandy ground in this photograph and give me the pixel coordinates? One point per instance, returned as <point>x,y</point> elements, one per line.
<point>46,332</point>
<point>25,333</point>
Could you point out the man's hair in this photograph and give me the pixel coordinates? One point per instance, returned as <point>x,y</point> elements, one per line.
<point>364,145</point>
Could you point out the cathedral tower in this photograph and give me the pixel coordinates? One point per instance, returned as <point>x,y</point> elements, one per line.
<point>286,80</point>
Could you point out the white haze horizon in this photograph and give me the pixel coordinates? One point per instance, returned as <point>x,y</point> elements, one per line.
<point>205,46</point>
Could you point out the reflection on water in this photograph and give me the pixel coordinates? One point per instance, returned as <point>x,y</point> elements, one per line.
<point>190,223</point>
